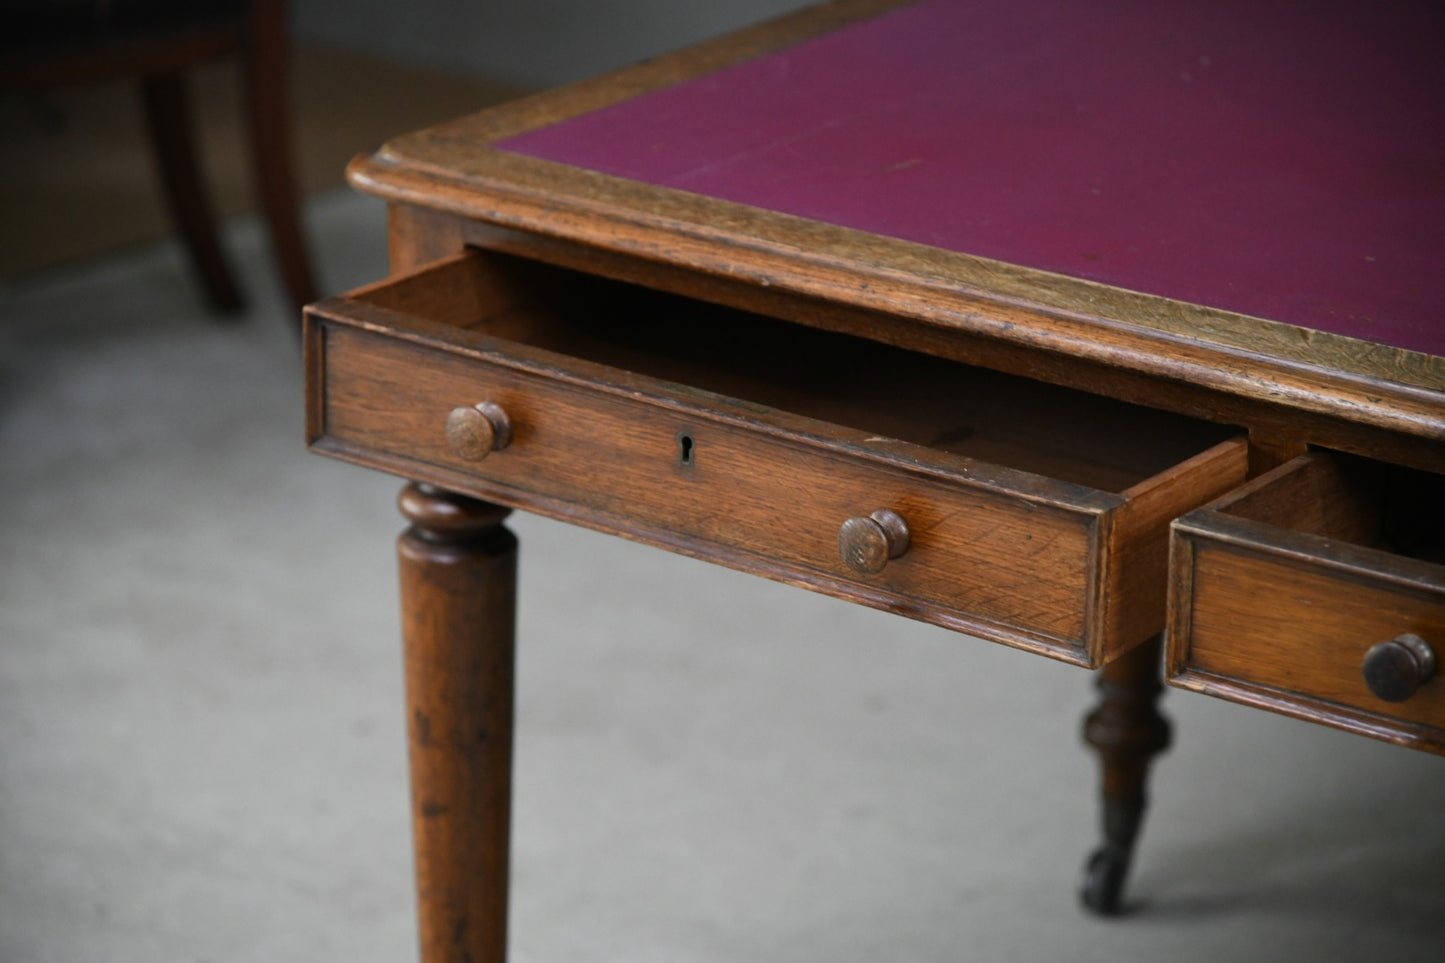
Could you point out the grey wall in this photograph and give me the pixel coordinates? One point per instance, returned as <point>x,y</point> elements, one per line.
<point>539,43</point>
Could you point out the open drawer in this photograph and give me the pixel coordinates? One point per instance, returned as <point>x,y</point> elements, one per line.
<point>1318,590</point>
<point>1024,513</point>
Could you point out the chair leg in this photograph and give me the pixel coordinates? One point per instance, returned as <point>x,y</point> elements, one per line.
<point>268,116</point>
<point>169,120</point>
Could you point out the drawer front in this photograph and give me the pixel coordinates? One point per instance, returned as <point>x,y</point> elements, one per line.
<point>988,562</point>
<point>1283,619</point>
<point>1036,516</point>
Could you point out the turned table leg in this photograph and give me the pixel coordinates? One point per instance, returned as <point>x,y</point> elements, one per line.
<point>1128,732</point>
<point>458,593</point>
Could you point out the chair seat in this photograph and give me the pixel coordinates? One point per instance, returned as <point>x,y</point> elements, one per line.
<point>29,25</point>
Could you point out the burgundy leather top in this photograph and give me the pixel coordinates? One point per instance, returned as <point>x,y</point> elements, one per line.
<point>1278,159</point>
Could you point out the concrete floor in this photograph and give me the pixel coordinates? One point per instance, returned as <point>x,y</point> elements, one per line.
<point>201,738</point>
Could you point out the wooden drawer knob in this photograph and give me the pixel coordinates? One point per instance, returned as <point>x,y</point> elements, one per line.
<point>1394,670</point>
<point>474,433</point>
<point>867,544</point>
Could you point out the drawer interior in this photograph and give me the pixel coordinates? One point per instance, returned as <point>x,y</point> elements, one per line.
<point>841,379</point>
<point>1354,500</point>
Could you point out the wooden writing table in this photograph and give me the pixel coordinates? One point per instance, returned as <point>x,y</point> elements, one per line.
<point>1053,323</point>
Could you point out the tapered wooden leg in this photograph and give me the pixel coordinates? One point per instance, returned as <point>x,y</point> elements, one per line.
<point>1128,732</point>
<point>169,121</point>
<point>458,589</point>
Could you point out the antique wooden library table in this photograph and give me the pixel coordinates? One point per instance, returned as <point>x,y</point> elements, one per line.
<point>1072,326</point>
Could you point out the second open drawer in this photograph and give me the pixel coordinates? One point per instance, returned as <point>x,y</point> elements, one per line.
<point>1035,515</point>
<point>1318,590</point>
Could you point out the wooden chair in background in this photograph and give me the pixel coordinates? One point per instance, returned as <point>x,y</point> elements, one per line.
<point>57,42</point>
